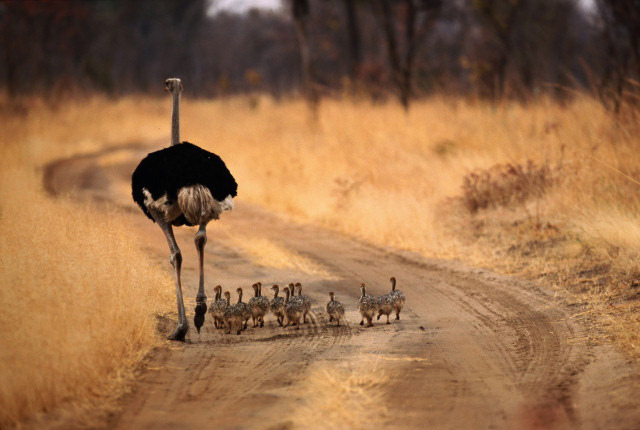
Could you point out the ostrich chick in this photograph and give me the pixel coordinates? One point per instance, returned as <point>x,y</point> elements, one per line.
<point>256,311</point>
<point>292,309</point>
<point>367,305</point>
<point>232,315</point>
<point>385,305</point>
<point>277,305</point>
<point>218,307</point>
<point>244,308</point>
<point>306,302</point>
<point>398,297</point>
<point>263,303</point>
<point>335,309</point>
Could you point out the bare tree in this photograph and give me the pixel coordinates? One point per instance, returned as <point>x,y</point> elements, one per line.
<point>353,32</point>
<point>501,17</point>
<point>300,11</point>
<point>415,17</point>
<point>621,30</point>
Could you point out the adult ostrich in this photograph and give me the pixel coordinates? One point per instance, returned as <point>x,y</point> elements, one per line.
<point>183,185</point>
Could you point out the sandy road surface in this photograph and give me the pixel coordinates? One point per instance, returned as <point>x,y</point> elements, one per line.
<point>473,350</point>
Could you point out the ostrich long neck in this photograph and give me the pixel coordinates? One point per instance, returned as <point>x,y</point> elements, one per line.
<point>175,117</point>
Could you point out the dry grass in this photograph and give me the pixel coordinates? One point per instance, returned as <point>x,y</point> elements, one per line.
<point>560,180</point>
<point>348,396</point>
<point>374,172</point>
<point>77,299</point>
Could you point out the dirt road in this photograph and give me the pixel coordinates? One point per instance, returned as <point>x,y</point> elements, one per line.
<point>473,350</point>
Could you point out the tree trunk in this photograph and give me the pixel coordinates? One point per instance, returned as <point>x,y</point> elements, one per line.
<point>402,69</point>
<point>353,32</point>
<point>300,10</point>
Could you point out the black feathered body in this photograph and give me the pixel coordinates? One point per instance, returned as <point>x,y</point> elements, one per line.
<point>167,180</point>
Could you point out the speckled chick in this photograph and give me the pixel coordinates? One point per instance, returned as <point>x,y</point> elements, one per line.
<point>335,309</point>
<point>246,312</point>
<point>385,305</point>
<point>257,312</point>
<point>292,309</point>
<point>232,315</point>
<point>306,302</point>
<point>277,305</point>
<point>217,308</point>
<point>367,305</point>
<point>398,297</point>
<point>263,303</point>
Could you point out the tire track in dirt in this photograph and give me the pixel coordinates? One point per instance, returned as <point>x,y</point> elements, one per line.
<point>473,349</point>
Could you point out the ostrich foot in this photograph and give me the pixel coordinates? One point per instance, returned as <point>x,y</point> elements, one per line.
<point>198,318</point>
<point>179,333</point>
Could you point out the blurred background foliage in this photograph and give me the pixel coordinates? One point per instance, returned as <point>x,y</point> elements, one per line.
<point>489,49</point>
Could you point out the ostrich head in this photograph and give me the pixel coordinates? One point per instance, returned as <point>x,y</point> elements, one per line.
<point>227,296</point>
<point>173,85</point>
<point>255,290</point>
<point>393,283</point>
<point>331,295</point>
<point>275,289</point>
<point>298,288</point>
<point>363,289</point>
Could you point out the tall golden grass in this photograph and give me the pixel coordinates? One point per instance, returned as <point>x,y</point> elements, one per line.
<point>368,170</point>
<point>77,298</point>
<point>395,179</point>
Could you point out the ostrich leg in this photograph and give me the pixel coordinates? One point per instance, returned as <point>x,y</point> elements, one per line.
<point>201,240</point>
<point>201,297</point>
<point>175,258</point>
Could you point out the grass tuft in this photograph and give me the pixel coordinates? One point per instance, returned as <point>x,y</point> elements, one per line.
<point>505,185</point>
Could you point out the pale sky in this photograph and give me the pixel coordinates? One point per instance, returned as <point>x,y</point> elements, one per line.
<point>241,6</point>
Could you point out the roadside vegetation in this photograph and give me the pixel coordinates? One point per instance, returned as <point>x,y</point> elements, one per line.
<point>544,191</point>
<point>78,297</point>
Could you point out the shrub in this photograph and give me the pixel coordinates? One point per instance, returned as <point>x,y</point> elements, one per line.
<point>505,185</point>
